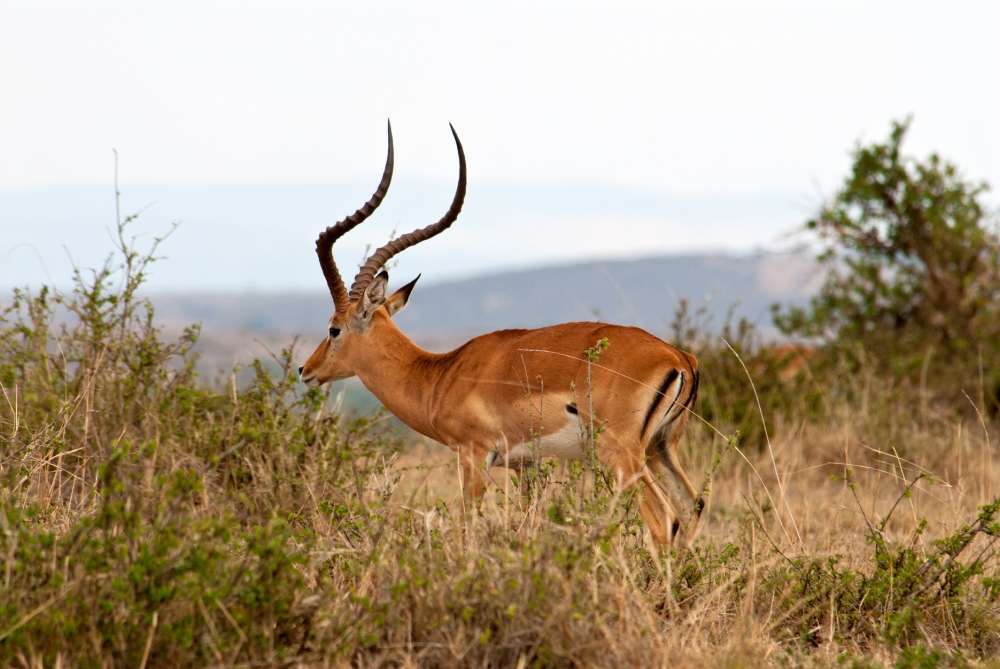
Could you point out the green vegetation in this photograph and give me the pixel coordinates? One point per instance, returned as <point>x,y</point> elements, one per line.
<point>914,269</point>
<point>149,518</point>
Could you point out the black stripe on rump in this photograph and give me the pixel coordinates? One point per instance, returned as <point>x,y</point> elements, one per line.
<point>659,397</point>
<point>693,395</point>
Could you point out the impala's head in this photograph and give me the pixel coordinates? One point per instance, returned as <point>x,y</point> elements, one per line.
<point>350,327</point>
<point>350,331</point>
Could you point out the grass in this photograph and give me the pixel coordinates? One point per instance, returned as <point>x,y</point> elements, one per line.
<point>151,519</point>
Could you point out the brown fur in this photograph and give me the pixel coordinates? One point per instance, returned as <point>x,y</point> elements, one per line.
<point>512,386</point>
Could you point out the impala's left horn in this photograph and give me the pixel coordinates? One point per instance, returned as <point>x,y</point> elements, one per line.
<point>324,244</point>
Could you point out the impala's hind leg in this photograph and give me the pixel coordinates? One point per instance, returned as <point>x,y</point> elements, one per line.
<point>653,506</point>
<point>666,468</point>
<point>656,512</point>
<point>684,499</point>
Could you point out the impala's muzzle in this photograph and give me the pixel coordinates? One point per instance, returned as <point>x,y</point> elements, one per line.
<point>308,380</point>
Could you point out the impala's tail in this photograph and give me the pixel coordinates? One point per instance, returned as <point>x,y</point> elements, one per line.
<point>664,426</point>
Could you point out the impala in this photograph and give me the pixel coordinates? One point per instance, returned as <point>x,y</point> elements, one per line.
<point>511,397</point>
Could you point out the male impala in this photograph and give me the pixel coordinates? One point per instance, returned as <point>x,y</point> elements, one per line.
<point>475,398</point>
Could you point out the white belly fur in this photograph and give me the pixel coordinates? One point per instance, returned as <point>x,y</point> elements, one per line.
<point>567,443</point>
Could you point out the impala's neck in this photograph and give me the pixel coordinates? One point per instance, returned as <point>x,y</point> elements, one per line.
<point>399,373</point>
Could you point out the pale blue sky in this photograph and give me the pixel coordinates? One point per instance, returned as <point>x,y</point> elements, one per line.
<point>728,99</point>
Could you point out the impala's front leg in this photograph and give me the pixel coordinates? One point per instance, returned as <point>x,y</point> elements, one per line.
<point>473,462</point>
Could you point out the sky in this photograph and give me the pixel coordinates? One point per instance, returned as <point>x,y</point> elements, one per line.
<point>731,120</point>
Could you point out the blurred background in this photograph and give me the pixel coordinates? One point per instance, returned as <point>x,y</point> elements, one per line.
<point>621,158</point>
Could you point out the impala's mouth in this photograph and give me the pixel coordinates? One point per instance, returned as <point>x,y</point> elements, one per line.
<point>311,381</point>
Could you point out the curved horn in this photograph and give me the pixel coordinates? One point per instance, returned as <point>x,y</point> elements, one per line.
<point>324,243</point>
<point>382,256</point>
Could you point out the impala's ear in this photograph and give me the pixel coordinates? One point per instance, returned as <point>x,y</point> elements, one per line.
<point>374,295</point>
<point>399,299</point>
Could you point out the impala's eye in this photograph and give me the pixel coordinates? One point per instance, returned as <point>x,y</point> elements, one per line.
<point>334,332</point>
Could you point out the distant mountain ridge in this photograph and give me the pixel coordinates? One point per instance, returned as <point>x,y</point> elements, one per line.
<point>643,292</point>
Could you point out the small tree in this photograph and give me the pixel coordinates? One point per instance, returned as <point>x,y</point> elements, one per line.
<point>913,263</point>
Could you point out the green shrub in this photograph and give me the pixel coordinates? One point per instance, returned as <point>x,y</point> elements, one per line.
<point>913,258</point>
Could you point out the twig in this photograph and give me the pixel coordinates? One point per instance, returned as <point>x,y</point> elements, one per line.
<point>770,451</point>
<point>970,534</point>
<point>989,448</point>
<point>899,499</point>
<point>760,524</point>
<point>149,640</point>
<point>25,620</point>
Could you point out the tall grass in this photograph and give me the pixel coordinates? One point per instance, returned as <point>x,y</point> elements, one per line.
<point>150,519</point>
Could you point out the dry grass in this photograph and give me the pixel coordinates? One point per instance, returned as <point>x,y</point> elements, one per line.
<point>822,516</point>
<point>147,520</point>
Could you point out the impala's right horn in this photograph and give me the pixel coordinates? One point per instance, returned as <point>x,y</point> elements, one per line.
<point>324,244</point>
<point>382,256</point>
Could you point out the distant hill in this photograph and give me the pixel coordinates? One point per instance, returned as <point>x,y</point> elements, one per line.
<point>643,292</point>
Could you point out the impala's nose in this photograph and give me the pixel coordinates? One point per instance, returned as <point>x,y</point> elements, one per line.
<point>300,371</point>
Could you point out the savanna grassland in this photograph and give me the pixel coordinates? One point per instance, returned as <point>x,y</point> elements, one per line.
<point>153,518</point>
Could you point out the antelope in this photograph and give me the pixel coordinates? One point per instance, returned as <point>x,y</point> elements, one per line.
<point>509,398</point>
